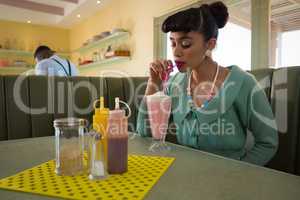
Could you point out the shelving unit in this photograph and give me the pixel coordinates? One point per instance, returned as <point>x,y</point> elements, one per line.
<point>27,53</point>
<point>12,53</point>
<point>114,38</point>
<point>16,52</point>
<point>113,60</point>
<point>11,70</point>
<point>103,42</point>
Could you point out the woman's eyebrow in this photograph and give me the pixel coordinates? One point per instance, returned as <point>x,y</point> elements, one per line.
<point>181,38</point>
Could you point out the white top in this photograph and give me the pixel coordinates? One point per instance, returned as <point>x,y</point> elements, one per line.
<point>51,68</point>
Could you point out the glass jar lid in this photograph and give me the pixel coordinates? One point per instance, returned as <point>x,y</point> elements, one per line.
<point>67,122</point>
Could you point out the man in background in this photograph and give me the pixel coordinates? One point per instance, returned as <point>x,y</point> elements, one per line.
<point>49,64</point>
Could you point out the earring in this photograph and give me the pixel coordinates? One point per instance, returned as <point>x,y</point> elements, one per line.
<point>208,53</point>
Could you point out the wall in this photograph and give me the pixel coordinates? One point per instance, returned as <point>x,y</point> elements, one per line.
<point>134,15</point>
<point>27,37</point>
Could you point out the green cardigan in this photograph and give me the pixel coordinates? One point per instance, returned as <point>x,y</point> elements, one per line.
<point>221,128</point>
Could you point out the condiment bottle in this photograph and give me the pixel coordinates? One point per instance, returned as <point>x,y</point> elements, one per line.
<point>117,132</point>
<point>100,120</point>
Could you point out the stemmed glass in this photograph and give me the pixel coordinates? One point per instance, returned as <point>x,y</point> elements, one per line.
<point>159,109</point>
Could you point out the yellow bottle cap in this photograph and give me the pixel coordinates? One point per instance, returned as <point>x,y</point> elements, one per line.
<point>101,110</point>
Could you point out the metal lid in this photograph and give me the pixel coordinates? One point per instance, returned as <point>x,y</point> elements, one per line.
<point>66,122</point>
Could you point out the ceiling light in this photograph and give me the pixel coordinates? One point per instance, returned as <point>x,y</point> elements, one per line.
<point>28,21</point>
<point>78,16</point>
<point>98,2</point>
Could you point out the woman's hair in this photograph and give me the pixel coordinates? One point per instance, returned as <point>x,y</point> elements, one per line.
<point>206,19</point>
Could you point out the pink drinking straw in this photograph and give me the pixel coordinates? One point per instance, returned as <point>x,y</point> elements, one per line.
<point>179,64</point>
<point>166,75</point>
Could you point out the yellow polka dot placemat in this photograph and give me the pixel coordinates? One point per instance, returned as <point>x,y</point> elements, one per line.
<point>143,173</point>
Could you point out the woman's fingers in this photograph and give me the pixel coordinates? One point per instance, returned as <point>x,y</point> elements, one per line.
<point>159,68</point>
<point>165,64</point>
<point>154,68</point>
<point>170,63</point>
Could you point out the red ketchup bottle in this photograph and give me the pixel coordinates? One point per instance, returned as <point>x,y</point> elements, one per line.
<point>117,135</point>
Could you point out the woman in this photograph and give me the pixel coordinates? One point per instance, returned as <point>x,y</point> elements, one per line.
<point>213,107</point>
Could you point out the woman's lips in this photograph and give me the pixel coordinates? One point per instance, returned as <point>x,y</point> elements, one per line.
<point>179,64</point>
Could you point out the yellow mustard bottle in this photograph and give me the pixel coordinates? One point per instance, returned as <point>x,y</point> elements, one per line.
<point>100,122</point>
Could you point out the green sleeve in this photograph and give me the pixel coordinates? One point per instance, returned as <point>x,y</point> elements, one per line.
<point>261,122</point>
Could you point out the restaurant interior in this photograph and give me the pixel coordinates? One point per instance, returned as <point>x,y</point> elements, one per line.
<point>45,119</point>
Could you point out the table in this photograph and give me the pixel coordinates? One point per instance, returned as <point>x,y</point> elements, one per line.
<point>193,175</point>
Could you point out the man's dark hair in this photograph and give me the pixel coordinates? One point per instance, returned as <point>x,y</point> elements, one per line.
<point>43,52</point>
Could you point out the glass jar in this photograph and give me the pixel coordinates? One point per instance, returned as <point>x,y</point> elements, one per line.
<point>69,145</point>
<point>71,140</point>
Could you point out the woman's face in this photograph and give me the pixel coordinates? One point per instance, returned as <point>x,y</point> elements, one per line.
<point>188,49</point>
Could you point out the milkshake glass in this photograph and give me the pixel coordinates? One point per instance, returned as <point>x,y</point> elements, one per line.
<point>159,109</point>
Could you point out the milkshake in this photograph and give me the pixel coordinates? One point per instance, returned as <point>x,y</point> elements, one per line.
<point>159,109</point>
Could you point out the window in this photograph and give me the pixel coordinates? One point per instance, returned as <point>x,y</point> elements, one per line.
<point>234,46</point>
<point>290,49</point>
<point>170,53</point>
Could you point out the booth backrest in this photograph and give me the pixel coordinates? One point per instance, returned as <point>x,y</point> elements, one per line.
<point>28,109</point>
<point>285,99</point>
<point>282,87</point>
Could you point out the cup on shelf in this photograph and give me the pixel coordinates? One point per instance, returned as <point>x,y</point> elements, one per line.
<point>7,44</point>
<point>4,62</point>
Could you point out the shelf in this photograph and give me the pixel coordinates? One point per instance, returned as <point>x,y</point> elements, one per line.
<point>27,53</point>
<point>13,70</point>
<point>64,54</point>
<point>17,52</point>
<point>113,60</point>
<point>103,42</point>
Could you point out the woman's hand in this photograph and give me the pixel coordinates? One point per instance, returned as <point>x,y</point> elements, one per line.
<point>157,69</point>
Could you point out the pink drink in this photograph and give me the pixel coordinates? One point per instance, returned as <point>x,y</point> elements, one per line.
<point>159,108</point>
